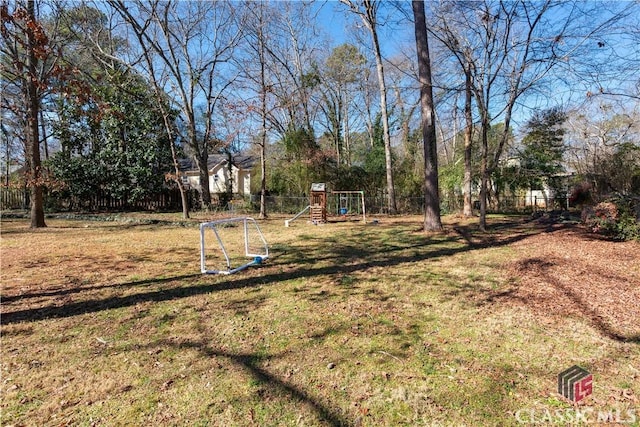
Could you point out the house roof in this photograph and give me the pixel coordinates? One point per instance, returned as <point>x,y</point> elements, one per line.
<point>242,162</point>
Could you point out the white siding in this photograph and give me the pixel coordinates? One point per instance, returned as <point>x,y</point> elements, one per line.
<point>219,176</point>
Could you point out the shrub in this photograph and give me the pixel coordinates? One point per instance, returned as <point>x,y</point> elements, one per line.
<point>580,194</point>
<point>616,217</point>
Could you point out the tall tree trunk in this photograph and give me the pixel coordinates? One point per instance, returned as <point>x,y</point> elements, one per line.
<point>263,173</point>
<point>263,116</point>
<point>174,155</point>
<point>203,176</point>
<point>391,192</point>
<point>43,130</point>
<point>484,171</point>
<point>467,209</point>
<point>369,19</point>
<point>346,149</point>
<point>183,193</point>
<point>202,161</point>
<point>432,219</point>
<point>7,154</point>
<point>32,130</point>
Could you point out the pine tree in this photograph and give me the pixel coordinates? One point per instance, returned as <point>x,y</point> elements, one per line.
<point>543,147</point>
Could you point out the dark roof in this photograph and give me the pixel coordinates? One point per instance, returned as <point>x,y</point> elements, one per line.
<point>240,161</point>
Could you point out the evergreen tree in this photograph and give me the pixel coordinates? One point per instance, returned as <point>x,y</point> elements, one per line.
<point>113,142</point>
<point>543,147</point>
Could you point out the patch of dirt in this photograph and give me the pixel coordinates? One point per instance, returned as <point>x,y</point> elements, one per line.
<point>570,272</point>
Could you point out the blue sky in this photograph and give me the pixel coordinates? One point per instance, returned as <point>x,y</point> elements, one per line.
<point>339,24</point>
<point>331,16</point>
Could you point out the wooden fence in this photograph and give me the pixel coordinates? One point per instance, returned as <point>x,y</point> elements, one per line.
<point>168,199</point>
<point>14,198</point>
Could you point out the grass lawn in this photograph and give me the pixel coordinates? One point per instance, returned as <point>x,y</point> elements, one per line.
<point>111,323</point>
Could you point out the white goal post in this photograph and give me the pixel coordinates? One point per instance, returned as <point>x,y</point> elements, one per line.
<point>237,239</point>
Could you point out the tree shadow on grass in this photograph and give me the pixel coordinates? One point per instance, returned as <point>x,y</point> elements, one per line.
<point>577,303</point>
<point>251,363</point>
<point>369,256</point>
<point>81,288</point>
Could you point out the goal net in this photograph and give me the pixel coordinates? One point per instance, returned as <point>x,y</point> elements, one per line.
<point>231,245</point>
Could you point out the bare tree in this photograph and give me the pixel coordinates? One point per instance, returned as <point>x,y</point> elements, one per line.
<point>344,67</point>
<point>278,65</point>
<point>402,78</point>
<point>289,57</point>
<point>256,72</point>
<point>467,209</point>
<point>367,10</point>
<point>599,132</point>
<point>106,48</point>
<point>293,52</point>
<point>606,61</point>
<point>505,50</point>
<point>29,62</point>
<point>189,45</point>
<point>261,51</point>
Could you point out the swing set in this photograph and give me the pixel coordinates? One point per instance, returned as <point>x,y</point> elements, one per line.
<point>348,206</point>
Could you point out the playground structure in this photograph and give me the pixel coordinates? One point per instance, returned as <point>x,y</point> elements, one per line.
<point>350,204</point>
<point>237,239</point>
<point>346,204</point>
<point>318,203</point>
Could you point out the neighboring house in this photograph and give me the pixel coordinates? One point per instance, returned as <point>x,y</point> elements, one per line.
<point>541,197</point>
<point>219,174</point>
<point>546,197</point>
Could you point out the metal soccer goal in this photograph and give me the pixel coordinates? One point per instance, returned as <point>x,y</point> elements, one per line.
<point>234,240</point>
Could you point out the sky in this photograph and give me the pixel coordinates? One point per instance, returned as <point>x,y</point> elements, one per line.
<point>331,16</point>
<point>339,23</point>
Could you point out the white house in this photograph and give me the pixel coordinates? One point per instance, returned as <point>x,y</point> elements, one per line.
<point>540,197</point>
<point>220,175</point>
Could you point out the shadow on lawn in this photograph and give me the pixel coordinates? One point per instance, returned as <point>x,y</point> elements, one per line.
<point>81,288</point>
<point>370,254</point>
<point>588,309</point>
<point>250,362</point>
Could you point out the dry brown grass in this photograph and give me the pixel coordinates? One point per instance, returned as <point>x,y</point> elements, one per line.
<point>111,323</point>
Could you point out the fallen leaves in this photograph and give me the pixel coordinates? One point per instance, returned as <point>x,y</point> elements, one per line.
<point>568,273</point>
